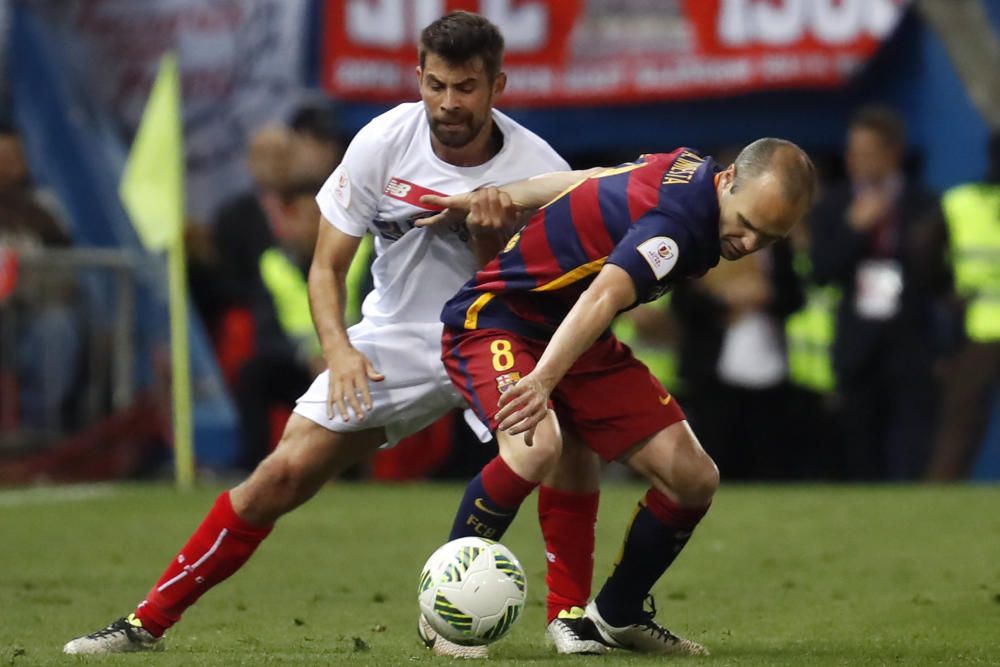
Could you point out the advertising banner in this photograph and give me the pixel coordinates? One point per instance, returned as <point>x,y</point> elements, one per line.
<point>564,52</point>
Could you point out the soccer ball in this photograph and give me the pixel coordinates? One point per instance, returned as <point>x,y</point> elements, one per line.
<point>472,590</point>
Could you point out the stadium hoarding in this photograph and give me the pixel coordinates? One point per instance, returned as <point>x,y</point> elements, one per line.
<point>563,52</point>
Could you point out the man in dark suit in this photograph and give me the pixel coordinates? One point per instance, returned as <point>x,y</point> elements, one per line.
<point>862,242</point>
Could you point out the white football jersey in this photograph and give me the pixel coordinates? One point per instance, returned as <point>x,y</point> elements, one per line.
<point>377,187</point>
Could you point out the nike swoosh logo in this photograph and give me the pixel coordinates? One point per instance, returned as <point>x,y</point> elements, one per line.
<point>480,505</point>
<point>665,399</point>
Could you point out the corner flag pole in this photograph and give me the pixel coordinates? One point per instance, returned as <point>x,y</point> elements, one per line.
<point>180,363</point>
<point>152,190</point>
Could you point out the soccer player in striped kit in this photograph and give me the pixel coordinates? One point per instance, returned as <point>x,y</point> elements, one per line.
<point>527,343</point>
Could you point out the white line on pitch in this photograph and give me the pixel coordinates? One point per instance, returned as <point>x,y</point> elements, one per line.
<point>44,495</point>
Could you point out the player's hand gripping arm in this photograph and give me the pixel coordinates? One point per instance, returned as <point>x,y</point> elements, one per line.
<point>491,219</point>
<point>524,405</point>
<point>350,370</point>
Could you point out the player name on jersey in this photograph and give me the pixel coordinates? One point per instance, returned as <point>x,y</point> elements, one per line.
<point>683,168</point>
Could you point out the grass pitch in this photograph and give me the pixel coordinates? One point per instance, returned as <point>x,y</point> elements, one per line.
<point>774,576</point>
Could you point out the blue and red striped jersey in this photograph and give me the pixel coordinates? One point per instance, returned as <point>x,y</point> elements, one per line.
<point>657,218</point>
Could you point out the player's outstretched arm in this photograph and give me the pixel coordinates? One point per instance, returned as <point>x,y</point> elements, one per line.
<point>492,207</point>
<point>350,370</point>
<point>523,406</point>
<point>538,191</point>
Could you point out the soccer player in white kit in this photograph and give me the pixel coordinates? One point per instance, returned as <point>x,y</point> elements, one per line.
<point>385,379</point>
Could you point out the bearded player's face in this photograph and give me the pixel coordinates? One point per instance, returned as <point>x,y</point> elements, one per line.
<point>458,98</point>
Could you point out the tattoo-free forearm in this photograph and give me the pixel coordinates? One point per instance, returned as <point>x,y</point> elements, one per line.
<point>539,190</point>
<point>327,296</point>
<point>589,317</point>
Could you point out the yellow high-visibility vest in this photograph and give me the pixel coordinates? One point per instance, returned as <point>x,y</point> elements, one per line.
<point>289,290</point>
<point>973,215</point>
<point>290,294</point>
<point>809,334</point>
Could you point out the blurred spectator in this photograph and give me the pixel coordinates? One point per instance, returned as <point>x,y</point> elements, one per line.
<point>307,151</point>
<point>287,355</point>
<point>48,326</point>
<point>971,229</point>
<point>862,239</point>
<point>242,228</point>
<point>733,365</point>
<point>319,143</point>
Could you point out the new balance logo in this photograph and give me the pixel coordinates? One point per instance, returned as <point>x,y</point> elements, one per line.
<point>398,189</point>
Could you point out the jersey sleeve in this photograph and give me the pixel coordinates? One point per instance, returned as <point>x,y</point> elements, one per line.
<point>652,251</point>
<point>349,197</point>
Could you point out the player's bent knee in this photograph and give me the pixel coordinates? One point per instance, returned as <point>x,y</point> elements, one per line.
<point>547,450</point>
<point>700,482</point>
<point>675,463</point>
<point>537,461</point>
<point>692,483</point>
<point>532,463</point>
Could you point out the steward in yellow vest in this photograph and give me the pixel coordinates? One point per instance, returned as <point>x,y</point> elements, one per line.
<point>809,333</point>
<point>972,222</point>
<point>972,213</point>
<point>287,285</point>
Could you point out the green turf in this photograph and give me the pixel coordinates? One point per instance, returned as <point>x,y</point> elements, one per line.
<point>774,576</point>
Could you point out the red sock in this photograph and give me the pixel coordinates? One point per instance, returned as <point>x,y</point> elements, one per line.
<point>505,487</point>
<point>220,546</point>
<point>568,521</point>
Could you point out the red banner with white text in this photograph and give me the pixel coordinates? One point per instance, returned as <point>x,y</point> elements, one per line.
<point>562,52</point>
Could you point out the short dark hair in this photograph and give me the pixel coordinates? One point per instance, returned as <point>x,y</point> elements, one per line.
<point>459,37</point>
<point>883,121</point>
<point>797,172</point>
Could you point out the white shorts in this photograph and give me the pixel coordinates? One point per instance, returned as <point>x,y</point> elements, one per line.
<point>416,390</point>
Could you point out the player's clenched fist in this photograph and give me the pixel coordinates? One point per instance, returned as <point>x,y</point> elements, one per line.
<point>350,372</point>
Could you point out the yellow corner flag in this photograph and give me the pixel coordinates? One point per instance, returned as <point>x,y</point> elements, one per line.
<point>152,186</point>
<point>152,190</point>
